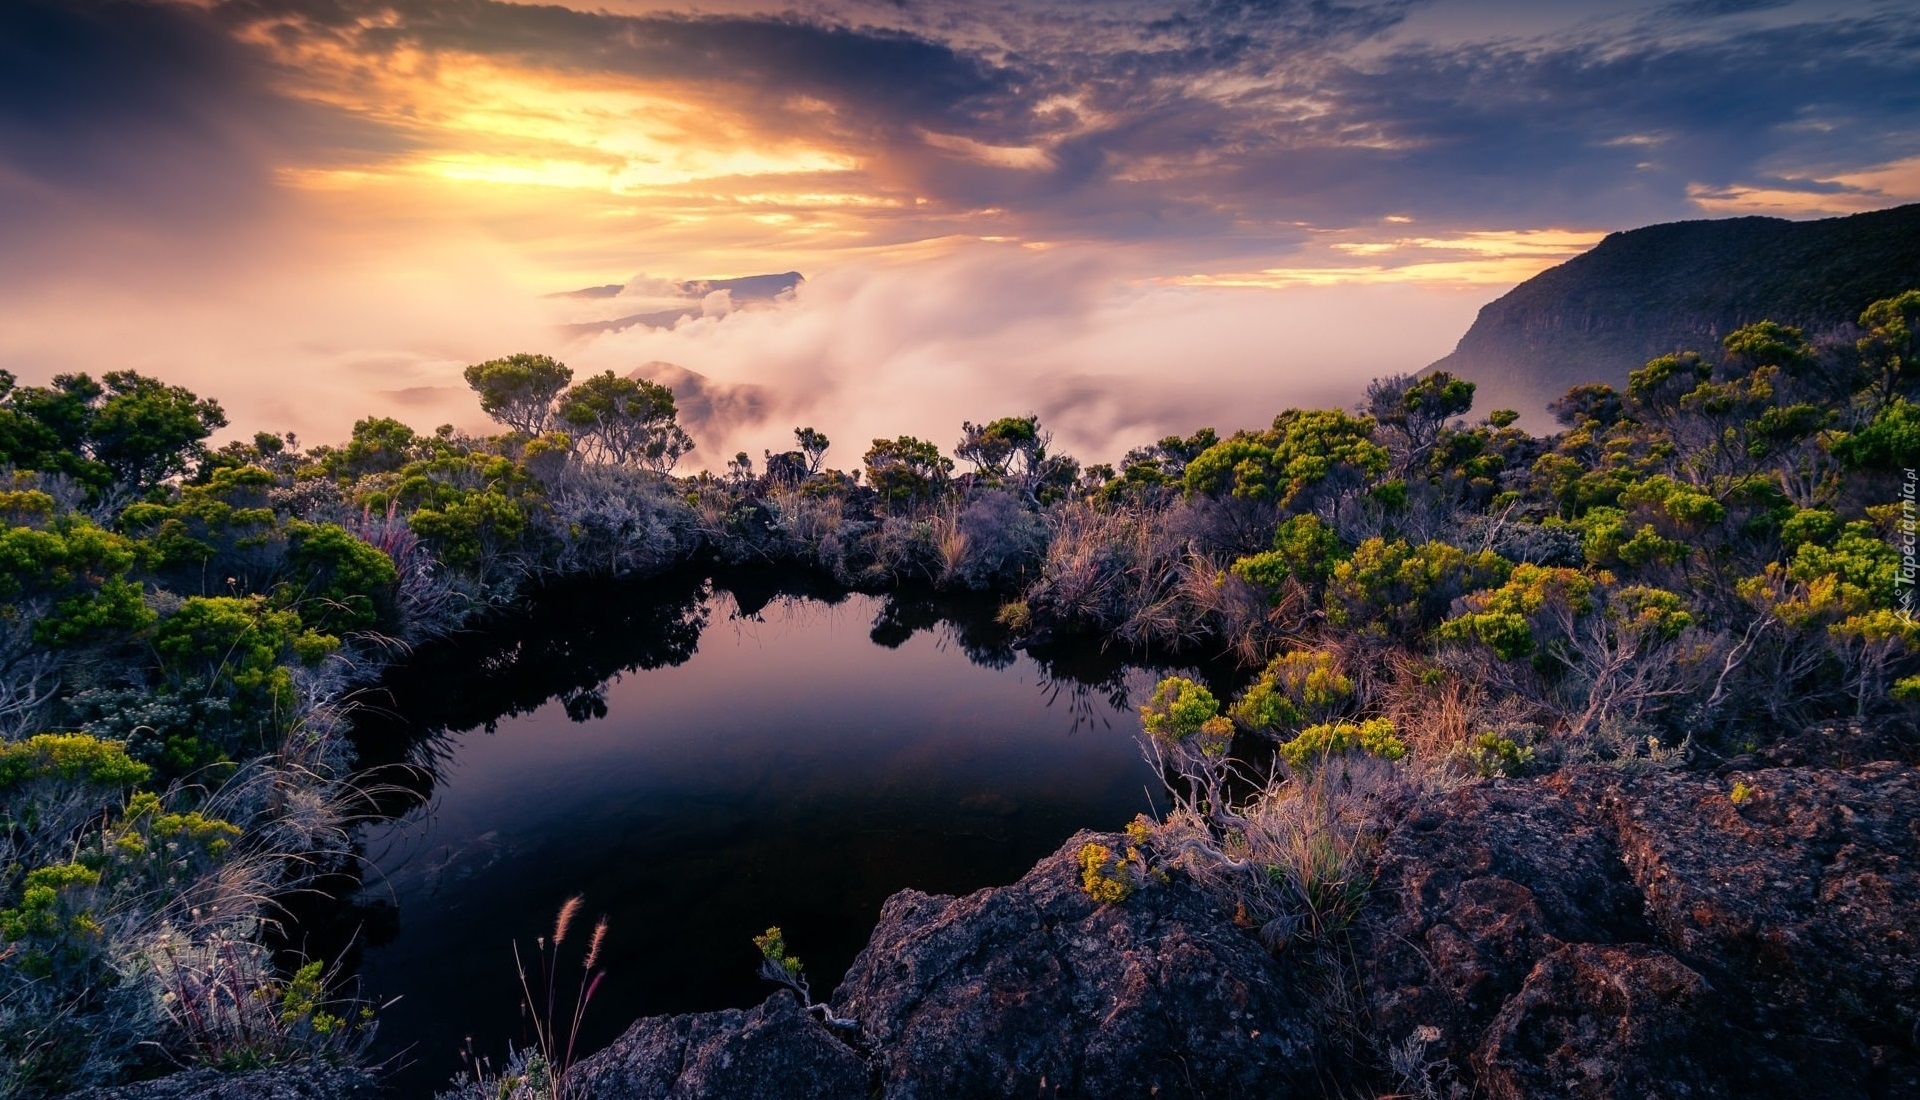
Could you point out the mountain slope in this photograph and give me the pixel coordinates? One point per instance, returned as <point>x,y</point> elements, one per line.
<point>1646,292</point>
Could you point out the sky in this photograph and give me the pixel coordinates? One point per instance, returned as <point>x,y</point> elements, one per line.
<point>1132,217</point>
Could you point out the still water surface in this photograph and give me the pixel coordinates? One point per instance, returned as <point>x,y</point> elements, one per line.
<point>701,762</point>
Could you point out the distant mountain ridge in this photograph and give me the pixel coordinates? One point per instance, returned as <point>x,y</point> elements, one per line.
<point>746,288</point>
<point>1682,285</point>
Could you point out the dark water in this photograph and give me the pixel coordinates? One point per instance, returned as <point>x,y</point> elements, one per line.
<point>701,762</point>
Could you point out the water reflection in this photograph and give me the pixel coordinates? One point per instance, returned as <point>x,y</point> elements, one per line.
<point>702,759</point>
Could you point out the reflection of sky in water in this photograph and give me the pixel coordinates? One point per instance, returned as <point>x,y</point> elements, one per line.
<point>790,772</point>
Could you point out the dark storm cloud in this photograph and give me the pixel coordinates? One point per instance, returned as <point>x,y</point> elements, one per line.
<point>1618,125</point>
<point>1616,122</point>
<point>148,112</point>
<point>1616,128</point>
<point>880,76</point>
<point>1709,9</point>
<point>1223,124</point>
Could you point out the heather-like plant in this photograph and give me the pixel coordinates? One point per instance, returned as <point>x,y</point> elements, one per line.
<point>783,968</point>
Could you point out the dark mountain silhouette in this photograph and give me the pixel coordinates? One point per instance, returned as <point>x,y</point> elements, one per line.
<point>743,290</point>
<point>1684,285</point>
<point>750,288</point>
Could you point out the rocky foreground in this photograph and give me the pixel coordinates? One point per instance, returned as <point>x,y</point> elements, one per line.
<point>1589,934</point>
<point>1586,934</point>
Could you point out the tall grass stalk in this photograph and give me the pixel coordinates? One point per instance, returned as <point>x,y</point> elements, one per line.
<point>540,1072</point>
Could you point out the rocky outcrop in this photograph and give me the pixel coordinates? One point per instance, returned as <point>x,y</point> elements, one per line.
<point>773,1052</point>
<point>1589,934</point>
<point>308,1081</point>
<point>1680,286</point>
<point>1032,990</point>
<point>1035,989</point>
<point>1598,935</point>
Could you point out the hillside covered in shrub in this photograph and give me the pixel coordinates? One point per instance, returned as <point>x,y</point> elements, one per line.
<point>1701,563</point>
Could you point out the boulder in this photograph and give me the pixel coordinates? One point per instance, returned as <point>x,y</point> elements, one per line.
<point>1035,989</point>
<point>1599,934</point>
<point>773,1052</point>
<point>304,1081</point>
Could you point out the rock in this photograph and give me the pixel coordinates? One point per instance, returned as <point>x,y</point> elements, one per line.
<point>1596,1022</point>
<point>1035,989</point>
<point>1032,989</point>
<point>773,1052</point>
<point>311,1081</point>
<point>1592,935</point>
<point>1606,935</point>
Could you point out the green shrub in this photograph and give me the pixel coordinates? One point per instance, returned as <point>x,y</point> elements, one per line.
<point>1490,754</point>
<point>1294,689</point>
<point>74,757</point>
<point>1376,737</point>
<point>1181,709</point>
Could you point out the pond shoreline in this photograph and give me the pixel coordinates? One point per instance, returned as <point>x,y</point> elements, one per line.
<point>577,636</point>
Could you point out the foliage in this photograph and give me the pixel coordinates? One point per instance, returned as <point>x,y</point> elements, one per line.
<point>1304,548</point>
<point>1490,754</point>
<point>1182,711</point>
<point>626,421</point>
<point>1376,737</point>
<point>782,967</point>
<point>71,757</point>
<point>1305,450</point>
<point>1394,588</point>
<point>241,645</point>
<point>1710,550</point>
<point>519,390</point>
<point>1104,877</point>
<point>338,582</point>
<point>1295,689</point>
<point>1506,619</point>
<point>125,430</point>
<point>906,470</point>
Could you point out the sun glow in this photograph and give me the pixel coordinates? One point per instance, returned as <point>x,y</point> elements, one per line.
<point>1482,257</point>
<point>473,121</point>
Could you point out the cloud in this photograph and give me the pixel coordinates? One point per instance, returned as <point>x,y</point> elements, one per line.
<point>710,410</point>
<point>1222,132</point>
<point>1217,127</point>
<point>1119,215</point>
<point>1106,360</point>
<point>147,118</point>
<point>1619,126</point>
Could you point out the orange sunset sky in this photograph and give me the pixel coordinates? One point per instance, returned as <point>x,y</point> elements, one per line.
<point>1130,217</point>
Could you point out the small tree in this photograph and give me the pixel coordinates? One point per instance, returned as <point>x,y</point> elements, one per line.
<point>146,431</point>
<point>813,446</point>
<point>1887,351</point>
<point>906,469</point>
<point>626,420</point>
<point>1412,411</point>
<point>518,391</point>
<point>126,429</point>
<point>782,967</point>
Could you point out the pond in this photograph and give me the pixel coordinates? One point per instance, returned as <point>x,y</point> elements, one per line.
<point>700,760</point>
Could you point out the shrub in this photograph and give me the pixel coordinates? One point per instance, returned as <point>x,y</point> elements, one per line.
<point>782,967</point>
<point>1182,711</point>
<point>1294,689</point>
<point>1375,737</point>
<point>1105,878</point>
<point>73,757</point>
<point>1490,754</point>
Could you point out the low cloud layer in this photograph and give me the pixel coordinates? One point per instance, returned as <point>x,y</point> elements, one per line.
<point>1108,362</point>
